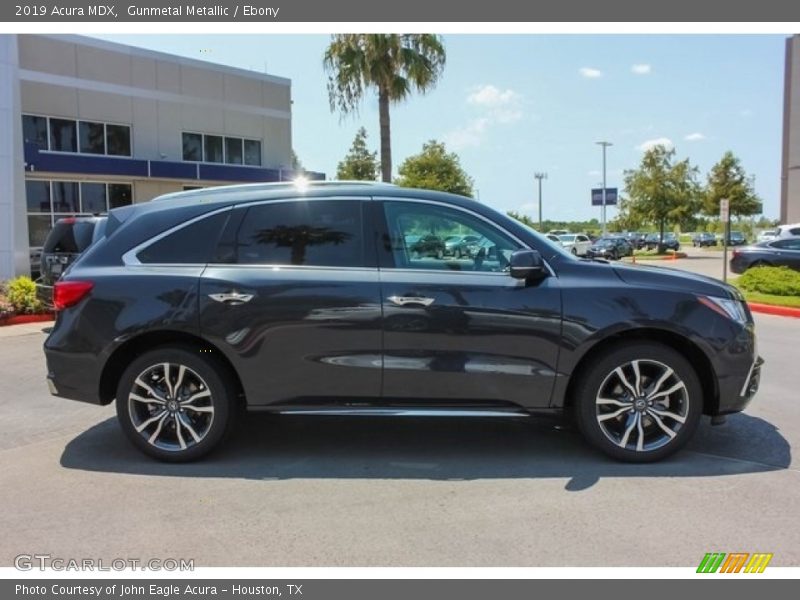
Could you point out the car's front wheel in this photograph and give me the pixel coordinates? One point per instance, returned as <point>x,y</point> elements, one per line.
<point>640,402</point>
<point>175,404</point>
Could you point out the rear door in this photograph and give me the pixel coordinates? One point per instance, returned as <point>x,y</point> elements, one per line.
<point>292,297</point>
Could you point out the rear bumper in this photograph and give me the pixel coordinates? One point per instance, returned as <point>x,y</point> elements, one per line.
<point>73,376</point>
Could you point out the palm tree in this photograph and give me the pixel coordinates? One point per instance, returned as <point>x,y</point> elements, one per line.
<point>394,64</point>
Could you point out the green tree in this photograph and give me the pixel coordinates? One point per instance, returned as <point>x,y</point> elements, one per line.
<point>727,179</point>
<point>435,169</point>
<point>661,191</point>
<point>296,164</point>
<point>393,64</point>
<point>359,164</point>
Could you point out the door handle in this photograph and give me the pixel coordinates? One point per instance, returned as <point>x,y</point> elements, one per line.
<point>411,300</point>
<point>233,298</point>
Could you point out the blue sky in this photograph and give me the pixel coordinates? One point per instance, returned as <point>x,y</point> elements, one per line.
<point>511,105</point>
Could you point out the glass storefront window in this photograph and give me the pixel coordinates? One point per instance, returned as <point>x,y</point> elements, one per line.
<point>118,140</point>
<point>92,137</point>
<point>63,135</point>
<point>37,194</point>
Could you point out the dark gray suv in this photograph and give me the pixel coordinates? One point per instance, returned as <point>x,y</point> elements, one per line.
<point>308,299</point>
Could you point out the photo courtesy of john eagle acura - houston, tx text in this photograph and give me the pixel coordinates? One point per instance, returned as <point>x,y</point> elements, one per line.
<point>331,298</point>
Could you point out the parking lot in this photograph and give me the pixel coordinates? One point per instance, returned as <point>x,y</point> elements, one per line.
<point>314,491</point>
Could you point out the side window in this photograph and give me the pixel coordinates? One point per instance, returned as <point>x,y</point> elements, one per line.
<point>795,231</point>
<point>192,244</point>
<point>790,244</point>
<point>429,236</point>
<point>319,233</point>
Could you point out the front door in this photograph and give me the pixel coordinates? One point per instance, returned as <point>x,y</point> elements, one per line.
<point>459,330</point>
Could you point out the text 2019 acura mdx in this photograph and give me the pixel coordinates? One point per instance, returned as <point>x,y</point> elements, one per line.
<point>308,299</point>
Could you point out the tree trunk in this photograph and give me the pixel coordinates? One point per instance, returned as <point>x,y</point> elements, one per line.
<point>386,136</point>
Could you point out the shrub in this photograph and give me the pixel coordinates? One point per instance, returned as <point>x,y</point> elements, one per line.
<point>21,294</point>
<point>778,281</point>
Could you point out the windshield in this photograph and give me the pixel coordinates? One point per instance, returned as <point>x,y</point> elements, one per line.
<point>605,242</point>
<point>555,246</point>
<point>567,238</point>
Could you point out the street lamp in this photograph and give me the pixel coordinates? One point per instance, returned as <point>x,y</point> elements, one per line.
<point>540,176</point>
<point>604,145</point>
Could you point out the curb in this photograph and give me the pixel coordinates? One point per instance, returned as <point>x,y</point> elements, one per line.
<point>22,319</point>
<point>674,256</point>
<point>770,309</point>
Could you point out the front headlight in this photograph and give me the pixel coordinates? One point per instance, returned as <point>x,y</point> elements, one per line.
<point>733,309</point>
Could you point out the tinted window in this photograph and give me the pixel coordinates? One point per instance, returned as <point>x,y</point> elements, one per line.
<point>192,146</point>
<point>252,152</point>
<point>119,194</point>
<point>37,194</point>
<point>233,150</point>
<point>430,225</point>
<point>65,197</point>
<point>69,236</point>
<point>795,231</point>
<point>313,233</point>
<point>38,227</point>
<point>93,197</point>
<point>34,130</point>
<point>787,244</point>
<point>63,136</point>
<point>93,137</point>
<point>213,148</point>
<point>189,245</point>
<point>118,140</point>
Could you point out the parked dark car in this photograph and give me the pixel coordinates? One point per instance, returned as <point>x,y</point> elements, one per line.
<point>736,238</point>
<point>309,301</point>
<point>69,237</point>
<point>670,242</point>
<point>428,245</point>
<point>612,248</point>
<point>460,245</point>
<point>700,240</point>
<point>777,253</point>
<point>635,239</point>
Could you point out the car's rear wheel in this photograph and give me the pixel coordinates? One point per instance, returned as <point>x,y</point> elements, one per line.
<point>639,402</point>
<point>574,251</point>
<point>175,404</point>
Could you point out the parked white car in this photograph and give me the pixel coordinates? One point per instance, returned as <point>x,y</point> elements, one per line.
<point>791,230</point>
<point>766,236</point>
<point>576,243</point>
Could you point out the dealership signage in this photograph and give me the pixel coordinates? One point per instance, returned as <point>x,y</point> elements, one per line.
<point>597,196</point>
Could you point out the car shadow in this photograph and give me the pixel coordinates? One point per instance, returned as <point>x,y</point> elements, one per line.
<point>267,447</point>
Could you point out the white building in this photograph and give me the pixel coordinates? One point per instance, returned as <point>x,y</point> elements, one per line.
<point>790,167</point>
<point>87,125</point>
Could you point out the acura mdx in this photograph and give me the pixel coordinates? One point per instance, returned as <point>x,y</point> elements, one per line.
<point>196,308</point>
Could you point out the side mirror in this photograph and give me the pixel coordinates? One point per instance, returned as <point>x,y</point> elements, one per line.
<point>526,264</point>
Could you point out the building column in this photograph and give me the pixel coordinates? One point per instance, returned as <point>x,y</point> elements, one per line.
<point>14,251</point>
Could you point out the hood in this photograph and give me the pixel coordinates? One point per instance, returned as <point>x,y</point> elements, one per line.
<point>666,278</point>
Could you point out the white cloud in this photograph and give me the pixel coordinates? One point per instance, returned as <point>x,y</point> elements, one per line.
<point>491,96</point>
<point>497,107</point>
<point>468,136</point>
<point>694,137</point>
<point>590,73</point>
<point>649,144</point>
<point>641,69</point>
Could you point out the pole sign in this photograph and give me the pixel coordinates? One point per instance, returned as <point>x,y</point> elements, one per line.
<point>724,209</point>
<point>597,196</point>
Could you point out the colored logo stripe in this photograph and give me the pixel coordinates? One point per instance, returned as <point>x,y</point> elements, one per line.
<point>734,563</point>
<point>757,563</point>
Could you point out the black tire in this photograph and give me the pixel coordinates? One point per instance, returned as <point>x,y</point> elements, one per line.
<point>598,380</point>
<point>191,428</point>
<point>574,252</point>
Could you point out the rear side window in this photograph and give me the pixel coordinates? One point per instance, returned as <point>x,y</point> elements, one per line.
<point>69,237</point>
<point>791,244</point>
<point>322,233</point>
<point>191,244</point>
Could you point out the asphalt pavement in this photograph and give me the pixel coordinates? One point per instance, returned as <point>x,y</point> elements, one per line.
<point>350,491</point>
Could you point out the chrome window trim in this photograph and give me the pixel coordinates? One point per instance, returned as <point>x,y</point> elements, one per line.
<point>471,213</point>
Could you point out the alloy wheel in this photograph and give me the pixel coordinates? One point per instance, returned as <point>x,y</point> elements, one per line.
<point>171,406</point>
<point>642,405</point>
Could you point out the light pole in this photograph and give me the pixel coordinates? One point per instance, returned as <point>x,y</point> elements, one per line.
<point>540,176</point>
<point>605,145</point>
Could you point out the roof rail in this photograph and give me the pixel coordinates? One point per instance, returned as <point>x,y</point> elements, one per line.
<point>270,185</point>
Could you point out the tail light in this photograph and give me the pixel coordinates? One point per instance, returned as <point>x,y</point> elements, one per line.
<point>69,293</point>
<point>736,253</point>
